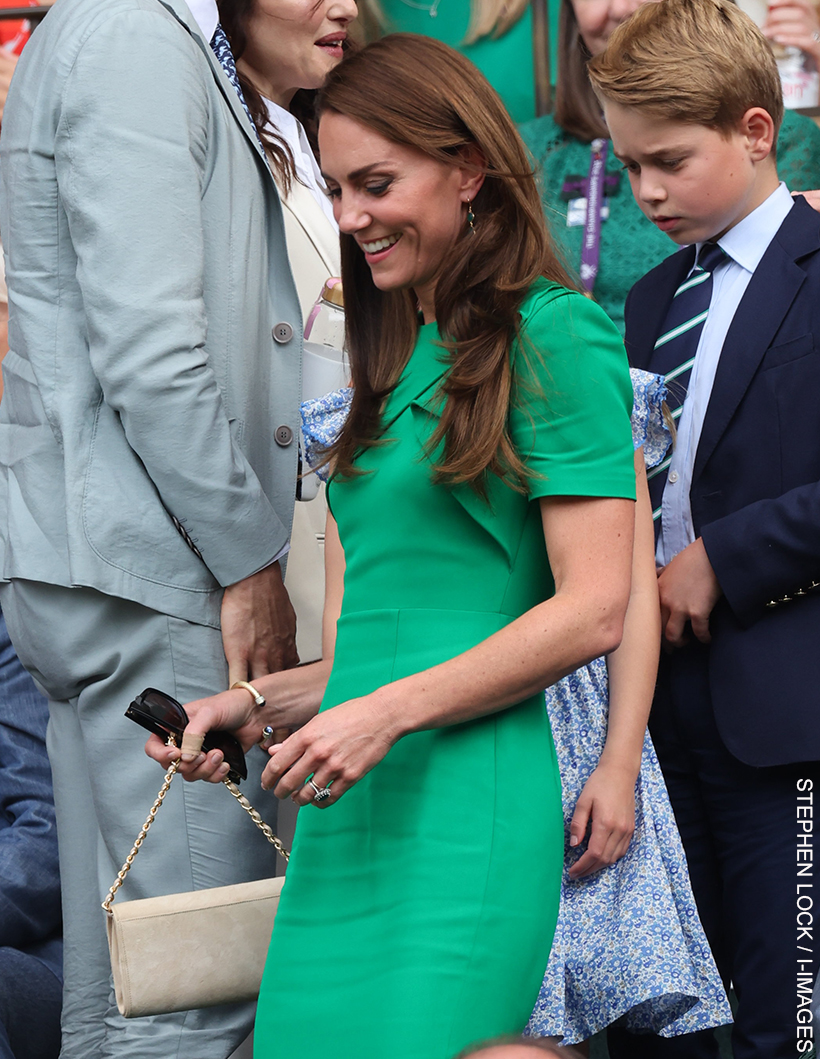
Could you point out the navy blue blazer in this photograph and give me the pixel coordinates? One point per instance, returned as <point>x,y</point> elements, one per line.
<point>755,493</point>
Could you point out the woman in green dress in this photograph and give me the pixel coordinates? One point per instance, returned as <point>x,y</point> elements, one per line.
<point>572,142</point>
<point>480,548</point>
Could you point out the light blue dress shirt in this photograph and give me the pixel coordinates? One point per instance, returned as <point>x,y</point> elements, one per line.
<point>745,244</point>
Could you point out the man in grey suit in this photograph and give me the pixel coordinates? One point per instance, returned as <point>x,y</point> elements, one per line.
<point>147,461</point>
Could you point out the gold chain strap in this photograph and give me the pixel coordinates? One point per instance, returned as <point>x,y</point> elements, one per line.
<point>169,775</point>
<point>257,819</point>
<point>129,860</point>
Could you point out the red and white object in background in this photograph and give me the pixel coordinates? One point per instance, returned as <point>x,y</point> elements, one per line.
<point>15,33</point>
<point>800,79</point>
<point>799,76</point>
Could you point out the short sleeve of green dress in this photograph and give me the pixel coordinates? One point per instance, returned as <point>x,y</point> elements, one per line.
<point>568,357</point>
<point>418,911</point>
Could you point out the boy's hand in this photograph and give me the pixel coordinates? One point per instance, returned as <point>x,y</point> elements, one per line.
<point>689,591</point>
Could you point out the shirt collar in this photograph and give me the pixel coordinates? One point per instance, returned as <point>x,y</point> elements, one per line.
<point>749,239</point>
<point>289,126</point>
<point>206,16</point>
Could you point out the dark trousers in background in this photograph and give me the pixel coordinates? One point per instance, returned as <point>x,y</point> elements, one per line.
<point>30,984</point>
<point>30,996</point>
<point>740,833</point>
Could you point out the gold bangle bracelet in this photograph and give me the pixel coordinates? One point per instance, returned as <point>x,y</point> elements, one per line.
<point>257,698</point>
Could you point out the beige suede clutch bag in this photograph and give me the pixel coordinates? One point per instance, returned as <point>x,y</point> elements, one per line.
<point>195,949</point>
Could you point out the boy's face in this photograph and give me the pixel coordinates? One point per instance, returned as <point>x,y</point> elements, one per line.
<point>693,182</point>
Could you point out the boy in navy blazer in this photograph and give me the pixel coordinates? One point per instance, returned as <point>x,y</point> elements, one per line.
<point>692,99</point>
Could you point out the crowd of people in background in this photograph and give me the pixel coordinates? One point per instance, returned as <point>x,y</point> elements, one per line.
<point>572,492</point>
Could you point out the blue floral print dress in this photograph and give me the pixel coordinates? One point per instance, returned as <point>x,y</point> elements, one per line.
<point>629,945</point>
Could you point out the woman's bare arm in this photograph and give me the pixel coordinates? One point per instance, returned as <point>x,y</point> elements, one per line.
<point>589,542</point>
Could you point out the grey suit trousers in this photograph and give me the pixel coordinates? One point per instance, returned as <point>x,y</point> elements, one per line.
<point>91,654</point>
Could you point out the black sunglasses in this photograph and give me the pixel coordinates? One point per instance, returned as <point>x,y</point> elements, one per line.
<point>164,716</point>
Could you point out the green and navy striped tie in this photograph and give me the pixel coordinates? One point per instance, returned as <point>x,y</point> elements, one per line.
<point>675,350</point>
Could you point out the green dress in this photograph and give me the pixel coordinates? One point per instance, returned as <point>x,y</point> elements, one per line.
<point>630,244</point>
<point>506,61</point>
<point>418,911</point>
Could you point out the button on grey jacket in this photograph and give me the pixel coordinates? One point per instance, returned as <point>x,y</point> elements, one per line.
<point>147,270</point>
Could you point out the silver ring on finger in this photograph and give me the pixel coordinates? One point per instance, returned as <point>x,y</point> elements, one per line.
<point>320,793</point>
<point>816,36</point>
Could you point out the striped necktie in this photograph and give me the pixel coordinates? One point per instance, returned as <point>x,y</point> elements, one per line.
<point>675,350</point>
<point>222,49</point>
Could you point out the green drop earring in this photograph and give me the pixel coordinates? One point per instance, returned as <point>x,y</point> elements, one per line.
<point>470,216</point>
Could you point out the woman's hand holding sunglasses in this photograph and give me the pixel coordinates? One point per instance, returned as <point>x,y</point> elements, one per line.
<point>293,697</point>
<point>229,711</point>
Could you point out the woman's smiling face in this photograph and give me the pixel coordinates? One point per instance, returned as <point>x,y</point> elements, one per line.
<point>404,209</point>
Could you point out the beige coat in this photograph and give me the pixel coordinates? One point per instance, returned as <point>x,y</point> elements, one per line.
<point>313,249</point>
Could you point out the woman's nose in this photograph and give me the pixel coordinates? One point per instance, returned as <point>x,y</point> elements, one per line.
<point>343,11</point>
<point>350,217</point>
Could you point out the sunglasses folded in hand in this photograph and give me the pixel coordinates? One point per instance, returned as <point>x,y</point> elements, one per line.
<point>164,716</point>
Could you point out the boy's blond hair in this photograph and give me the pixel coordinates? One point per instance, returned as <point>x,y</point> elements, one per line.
<point>703,62</point>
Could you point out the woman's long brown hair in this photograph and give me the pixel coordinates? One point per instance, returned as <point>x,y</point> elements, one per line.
<point>576,110</point>
<point>416,91</point>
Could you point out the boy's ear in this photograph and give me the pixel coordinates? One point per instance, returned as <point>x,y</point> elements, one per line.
<point>757,127</point>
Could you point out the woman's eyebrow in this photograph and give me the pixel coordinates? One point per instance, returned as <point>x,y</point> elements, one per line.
<point>357,174</point>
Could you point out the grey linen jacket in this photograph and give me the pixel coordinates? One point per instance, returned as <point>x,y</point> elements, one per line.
<point>148,275</point>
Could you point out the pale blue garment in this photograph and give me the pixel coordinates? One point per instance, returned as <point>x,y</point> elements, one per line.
<point>629,941</point>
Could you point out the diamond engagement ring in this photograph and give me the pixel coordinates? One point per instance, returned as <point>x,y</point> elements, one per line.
<point>321,792</point>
